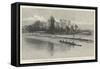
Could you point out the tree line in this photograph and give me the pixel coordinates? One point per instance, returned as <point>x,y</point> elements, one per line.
<point>52,28</point>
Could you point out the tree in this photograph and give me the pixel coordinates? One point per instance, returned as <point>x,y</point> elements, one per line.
<point>67,29</point>
<point>29,29</point>
<point>74,29</point>
<point>52,25</point>
<point>36,26</point>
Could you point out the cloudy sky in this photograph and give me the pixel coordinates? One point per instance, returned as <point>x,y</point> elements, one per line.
<point>29,14</point>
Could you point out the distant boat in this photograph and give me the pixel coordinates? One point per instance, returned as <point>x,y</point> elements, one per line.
<point>71,43</point>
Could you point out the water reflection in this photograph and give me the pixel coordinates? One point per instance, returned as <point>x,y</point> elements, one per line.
<point>36,48</point>
<point>51,48</point>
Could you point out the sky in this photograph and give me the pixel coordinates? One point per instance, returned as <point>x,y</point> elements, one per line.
<point>29,14</point>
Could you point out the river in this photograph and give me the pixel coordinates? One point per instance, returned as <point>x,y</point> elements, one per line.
<point>34,48</point>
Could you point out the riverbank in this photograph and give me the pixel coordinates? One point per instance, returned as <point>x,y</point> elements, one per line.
<point>56,38</point>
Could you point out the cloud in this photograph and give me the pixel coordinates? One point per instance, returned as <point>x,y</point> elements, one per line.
<point>41,18</point>
<point>34,18</point>
<point>28,19</point>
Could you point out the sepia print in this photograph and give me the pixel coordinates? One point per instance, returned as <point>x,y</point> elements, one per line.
<point>52,34</point>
